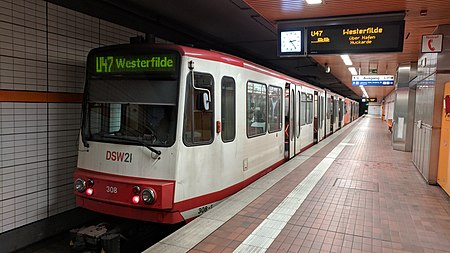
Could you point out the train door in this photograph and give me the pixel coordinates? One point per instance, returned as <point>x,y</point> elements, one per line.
<point>335,113</point>
<point>321,116</point>
<point>289,121</point>
<point>316,117</point>
<point>351,111</point>
<point>332,114</point>
<point>297,119</point>
<point>341,112</point>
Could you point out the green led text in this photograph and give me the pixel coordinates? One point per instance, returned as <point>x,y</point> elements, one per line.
<point>111,64</point>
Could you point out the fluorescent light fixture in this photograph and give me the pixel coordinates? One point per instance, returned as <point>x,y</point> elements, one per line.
<point>353,70</point>
<point>364,91</point>
<point>346,59</point>
<point>313,1</point>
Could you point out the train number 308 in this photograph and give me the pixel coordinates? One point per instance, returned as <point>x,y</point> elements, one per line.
<point>204,209</point>
<point>111,189</point>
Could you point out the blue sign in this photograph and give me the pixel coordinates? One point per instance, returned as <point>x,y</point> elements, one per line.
<point>373,80</point>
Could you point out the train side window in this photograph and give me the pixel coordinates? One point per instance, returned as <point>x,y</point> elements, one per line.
<point>309,109</point>
<point>303,109</point>
<point>329,108</point>
<point>198,124</point>
<point>228,109</point>
<point>275,100</point>
<point>321,110</point>
<point>256,109</point>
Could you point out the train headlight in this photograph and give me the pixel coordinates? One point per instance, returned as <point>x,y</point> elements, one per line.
<point>148,196</point>
<point>80,185</point>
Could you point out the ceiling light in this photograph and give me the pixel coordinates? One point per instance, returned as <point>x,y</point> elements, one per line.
<point>364,91</point>
<point>313,1</point>
<point>327,68</point>
<point>353,70</point>
<point>346,59</point>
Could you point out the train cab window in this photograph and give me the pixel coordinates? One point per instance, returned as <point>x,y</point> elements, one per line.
<point>228,109</point>
<point>256,109</point>
<point>275,99</point>
<point>131,111</point>
<point>114,117</point>
<point>198,122</point>
<point>303,109</point>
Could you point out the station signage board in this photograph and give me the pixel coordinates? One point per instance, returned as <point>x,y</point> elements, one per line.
<point>356,38</point>
<point>373,80</point>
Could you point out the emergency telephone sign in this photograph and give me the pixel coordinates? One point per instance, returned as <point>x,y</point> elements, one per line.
<point>432,43</point>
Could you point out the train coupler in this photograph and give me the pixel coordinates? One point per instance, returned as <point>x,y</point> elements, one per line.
<point>95,239</point>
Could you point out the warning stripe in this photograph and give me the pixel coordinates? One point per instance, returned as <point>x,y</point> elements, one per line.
<point>40,97</point>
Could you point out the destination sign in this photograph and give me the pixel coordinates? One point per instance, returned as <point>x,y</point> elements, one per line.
<point>373,80</point>
<point>356,38</point>
<point>113,64</point>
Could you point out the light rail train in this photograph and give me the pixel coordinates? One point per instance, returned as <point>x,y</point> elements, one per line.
<point>169,131</point>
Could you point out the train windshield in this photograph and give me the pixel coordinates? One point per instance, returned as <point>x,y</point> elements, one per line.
<point>131,111</point>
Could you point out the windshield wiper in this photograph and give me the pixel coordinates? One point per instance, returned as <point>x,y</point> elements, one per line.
<point>133,140</point>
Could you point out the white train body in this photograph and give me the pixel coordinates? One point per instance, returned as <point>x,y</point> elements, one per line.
<point>199,164</point>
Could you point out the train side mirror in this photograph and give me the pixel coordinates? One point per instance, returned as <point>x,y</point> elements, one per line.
<point>203,101</point>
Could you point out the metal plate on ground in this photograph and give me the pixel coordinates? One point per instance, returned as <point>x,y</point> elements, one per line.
<point>356,184</point>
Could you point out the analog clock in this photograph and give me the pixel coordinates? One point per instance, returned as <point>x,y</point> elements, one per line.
<point>291,42</point>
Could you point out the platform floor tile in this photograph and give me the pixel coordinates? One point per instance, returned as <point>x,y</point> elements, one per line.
<point>369,198</point>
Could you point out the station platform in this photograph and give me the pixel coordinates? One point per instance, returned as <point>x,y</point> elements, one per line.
<point>350,193</point>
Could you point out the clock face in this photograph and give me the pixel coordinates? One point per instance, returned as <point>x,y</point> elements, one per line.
<point>291,42</point>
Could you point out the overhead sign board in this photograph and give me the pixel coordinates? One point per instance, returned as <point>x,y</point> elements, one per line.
<point>356,38</point>
<point>369,100</point>
<point>373,80</point>
<point>432,43</point>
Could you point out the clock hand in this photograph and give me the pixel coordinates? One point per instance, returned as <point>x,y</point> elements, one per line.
<point>292,42</point>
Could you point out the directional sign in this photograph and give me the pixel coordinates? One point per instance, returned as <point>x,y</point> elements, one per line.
<point>373,80</point>
<point>432,43</point>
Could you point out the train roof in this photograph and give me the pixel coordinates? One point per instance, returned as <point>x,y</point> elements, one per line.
<point>236,61</point>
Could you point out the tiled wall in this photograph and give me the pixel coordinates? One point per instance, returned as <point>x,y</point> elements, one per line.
<point>42,48</point>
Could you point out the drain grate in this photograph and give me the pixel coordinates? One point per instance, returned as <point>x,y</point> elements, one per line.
<point>356,184</point>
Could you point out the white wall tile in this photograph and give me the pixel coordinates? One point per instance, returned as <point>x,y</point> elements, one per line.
<point>38,141</point>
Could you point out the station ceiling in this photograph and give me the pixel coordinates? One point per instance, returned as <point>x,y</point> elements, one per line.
<point>248,29</point>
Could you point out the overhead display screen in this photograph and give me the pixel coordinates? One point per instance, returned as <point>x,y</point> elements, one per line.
<point>356,38</point>
<point>116,64</point>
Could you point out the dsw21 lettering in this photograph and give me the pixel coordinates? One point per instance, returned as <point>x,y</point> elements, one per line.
<point>117,156</point>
